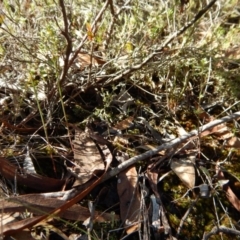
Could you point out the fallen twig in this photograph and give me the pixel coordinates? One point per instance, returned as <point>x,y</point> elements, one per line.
<point>171,144</point>
<point>222,229</point>
<point>185,217</point>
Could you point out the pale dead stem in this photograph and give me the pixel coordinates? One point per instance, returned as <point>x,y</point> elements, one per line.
<point>170,145</point>
<point>68,59</point>
<point>221,229</point>
<point>185,217</point>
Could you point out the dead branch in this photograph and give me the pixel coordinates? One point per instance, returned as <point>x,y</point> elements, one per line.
<point>66,34</point>
<point>113,21</point>
<point>69,60</point>
<point>94,28</point>
<point>222,229</point>
<point>125,72</point>
<point>185,217</point>
<point>171,144</point>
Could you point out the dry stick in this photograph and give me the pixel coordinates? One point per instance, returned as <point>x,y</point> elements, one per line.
<point>94,30</point>
<point>222,229</point>
<point>123,73</point>
<point>68,60</point>
<point>112,23</point>
<point>171,144</point>
<point>66,34</point>
<point>185,217</point>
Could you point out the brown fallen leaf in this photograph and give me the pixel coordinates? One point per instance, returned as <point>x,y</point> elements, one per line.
<point>184,169</point>
<point>29,222</point>
<point>221,131</point>
<point>87,158</point>
<point>233,199</point>
<point>124,124</point>
<point>233,142</point>
<point>39,205</point>
<point>85,60</point>
<point>25,234</point>
<point>233,52</point>
<point>34,181</point>
<point>129,199</point>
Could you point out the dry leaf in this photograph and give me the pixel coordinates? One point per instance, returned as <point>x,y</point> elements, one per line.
<point>34,181</point>
<point>7,217</point>
<point>124,124</point>
<point>233,199</point>
<point>233,52</point>
<point>25,234</point>
<point>184,169</point>
<point>129,199</point>
<point>38,204</point>
<point>89,32</point>
<point>10,229</point>
<point>87,157</point>
<point>233,142</point>
<point>85,60</point>
<point>221,131</point>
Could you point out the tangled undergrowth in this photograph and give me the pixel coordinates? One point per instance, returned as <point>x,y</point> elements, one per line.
<point>132,76</point>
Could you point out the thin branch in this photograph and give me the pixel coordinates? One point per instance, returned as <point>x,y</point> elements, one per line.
<point>65,69</point>
<point>94,30</point>
<point>68,51</point>
<point>171,144</point>
<point>66,34</point>
<point>187,25</point>
<point>113,21</point>
<point>222,229</point>
<point>185,217</point>
<point>125,72</point>
<point>68,61</point>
